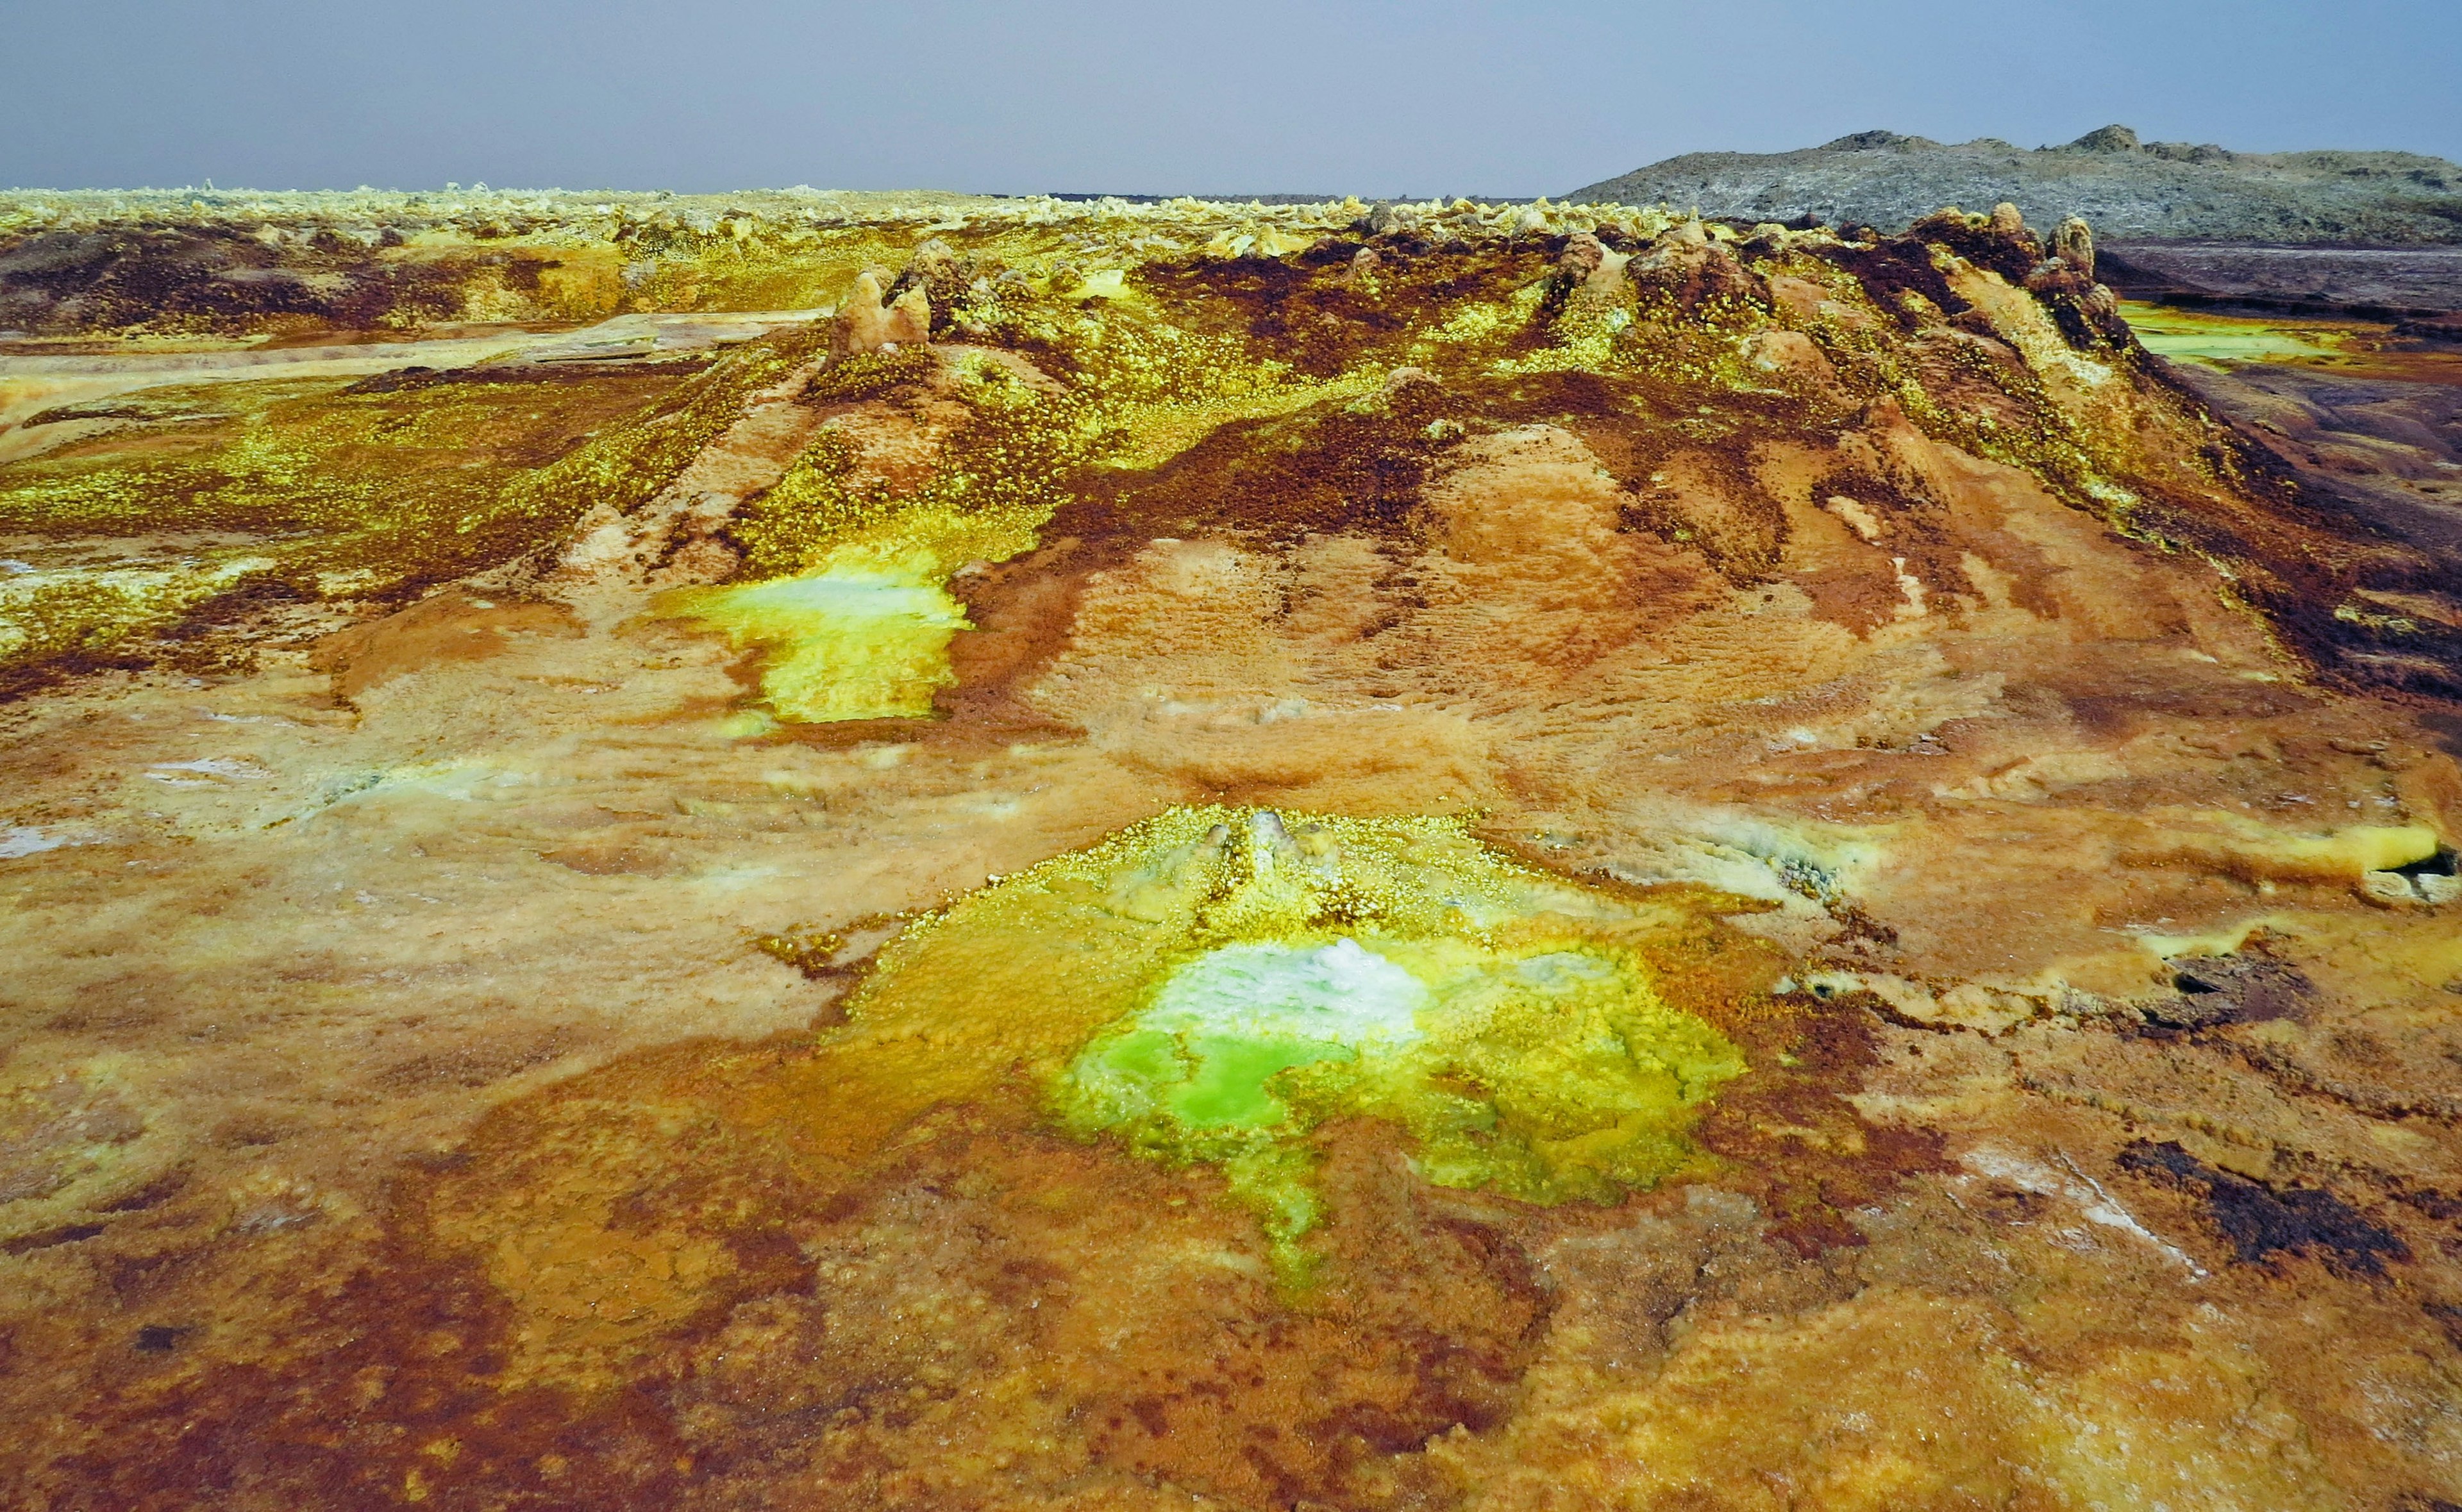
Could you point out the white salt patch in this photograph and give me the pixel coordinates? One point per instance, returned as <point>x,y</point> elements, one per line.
<point>25,839</point>
<point>1338,992</point>
<point>1912,587</point>
<point>1560,970</point>
<point>2094,1204</point>
<point>212,767</point>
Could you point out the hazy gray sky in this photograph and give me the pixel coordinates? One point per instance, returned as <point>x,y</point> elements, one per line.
<point>1263,95</point>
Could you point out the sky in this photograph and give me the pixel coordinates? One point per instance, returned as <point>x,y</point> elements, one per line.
<point>1381,99</point>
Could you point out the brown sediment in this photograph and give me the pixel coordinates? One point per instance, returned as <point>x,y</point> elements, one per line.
<point>1795,1141</point>
<point>443,628</point>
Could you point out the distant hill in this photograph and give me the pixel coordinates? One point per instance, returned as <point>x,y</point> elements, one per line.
<point>2124,187</point>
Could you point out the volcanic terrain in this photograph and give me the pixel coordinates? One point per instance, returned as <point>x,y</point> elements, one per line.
<point>863,852</point>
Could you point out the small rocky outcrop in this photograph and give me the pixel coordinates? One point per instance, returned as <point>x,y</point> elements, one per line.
<point>944,278</point>
<point>872,318</point>
<point>2060,273</point>
<point>2073,244</point>
<point>2001,241</point>
<point>1689,266</point>
<point>2107,139</point>
<point>1391,219</point>
<point>1583,255</point>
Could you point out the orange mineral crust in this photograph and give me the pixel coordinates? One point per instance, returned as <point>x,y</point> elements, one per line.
<point>904,853</point>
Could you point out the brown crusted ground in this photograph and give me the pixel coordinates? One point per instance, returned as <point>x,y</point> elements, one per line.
<point>433,1099</point>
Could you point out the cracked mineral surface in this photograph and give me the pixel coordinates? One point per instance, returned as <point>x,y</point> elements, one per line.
<point>873,852</point>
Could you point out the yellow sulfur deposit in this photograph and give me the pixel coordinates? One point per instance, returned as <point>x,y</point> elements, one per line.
<point>844,643</point>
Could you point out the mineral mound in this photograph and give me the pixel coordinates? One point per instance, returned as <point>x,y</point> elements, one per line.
<point>904,852</point>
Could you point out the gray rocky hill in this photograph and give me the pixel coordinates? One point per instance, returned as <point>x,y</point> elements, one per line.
<point>2126,187</point>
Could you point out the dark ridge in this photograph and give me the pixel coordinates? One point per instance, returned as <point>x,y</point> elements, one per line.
<point>2127,187</point>
<point>51,1237</point>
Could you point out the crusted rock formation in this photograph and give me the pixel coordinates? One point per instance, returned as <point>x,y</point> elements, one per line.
<point>872,318</point>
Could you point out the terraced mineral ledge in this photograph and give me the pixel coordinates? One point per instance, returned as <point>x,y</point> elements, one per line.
<point>857,850</point>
